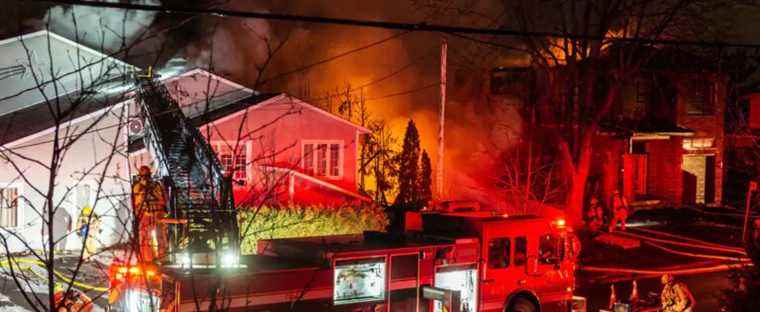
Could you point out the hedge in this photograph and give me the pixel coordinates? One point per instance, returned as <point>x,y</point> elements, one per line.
<point>304,221</point>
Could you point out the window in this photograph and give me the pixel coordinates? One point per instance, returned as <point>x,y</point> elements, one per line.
<point>521,250</point>
<point>699,92</point>
<point>698,143</point>
<point>8,207</point>
<point>323,158</point>
<point>359,281</point>
<point>235,164</point>
<point>498,253</point>
<point>548,250</point>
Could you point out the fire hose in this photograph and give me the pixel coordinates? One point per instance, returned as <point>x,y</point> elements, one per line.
<point>709,269</point>
<point>700,246</point>
<point>694,240</point>
<point>697,255</point>
<point>17,261</point>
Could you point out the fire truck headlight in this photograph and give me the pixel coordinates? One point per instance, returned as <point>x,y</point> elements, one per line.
<point>560,223</point>
<point>229,259</point>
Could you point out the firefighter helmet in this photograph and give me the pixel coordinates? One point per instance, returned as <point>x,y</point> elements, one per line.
<point>145,171</point>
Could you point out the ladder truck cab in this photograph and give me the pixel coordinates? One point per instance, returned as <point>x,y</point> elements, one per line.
<point>526,263</point>
<point>462,261</point>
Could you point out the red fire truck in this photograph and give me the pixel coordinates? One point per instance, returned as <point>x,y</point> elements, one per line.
<point>457,261</point>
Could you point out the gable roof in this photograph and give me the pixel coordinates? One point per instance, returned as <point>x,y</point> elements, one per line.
<point>255,101</point>
<point>43,65</point>
<point>286,97</point>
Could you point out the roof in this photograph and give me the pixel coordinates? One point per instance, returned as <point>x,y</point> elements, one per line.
<point>25,122</point>
<point>30,73</point>
<point>215,113</point>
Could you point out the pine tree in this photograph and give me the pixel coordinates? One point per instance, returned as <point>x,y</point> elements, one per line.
<point>424,181</point>
<point>408,171</point>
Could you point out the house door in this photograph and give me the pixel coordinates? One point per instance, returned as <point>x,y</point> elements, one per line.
<point>710,179</point>
<point>634,175</point>
<point>699,179</point>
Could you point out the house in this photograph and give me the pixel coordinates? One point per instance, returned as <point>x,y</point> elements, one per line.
<point>743,133</point>
<point>81,88</point>
<point>662,143</point>
<point>277,148</point>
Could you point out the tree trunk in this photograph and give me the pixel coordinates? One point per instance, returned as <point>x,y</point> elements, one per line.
<point>574,210</point>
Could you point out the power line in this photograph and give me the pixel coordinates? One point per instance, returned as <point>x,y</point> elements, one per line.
<point>373,81</point>
<point>392,25</point>
<point>332,58</point>
<point>425,87</point>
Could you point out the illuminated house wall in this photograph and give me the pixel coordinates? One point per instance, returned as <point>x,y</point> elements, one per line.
<point>275,139</point>
<point>26,136</point>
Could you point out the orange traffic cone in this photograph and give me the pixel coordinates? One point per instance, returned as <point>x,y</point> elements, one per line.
<point>634,292</point>
<point>613,297</point>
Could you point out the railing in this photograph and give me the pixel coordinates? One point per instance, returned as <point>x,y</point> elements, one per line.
<point>167,125</point>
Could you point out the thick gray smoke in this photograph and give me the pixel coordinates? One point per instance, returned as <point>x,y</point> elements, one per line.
<point>106,30</point>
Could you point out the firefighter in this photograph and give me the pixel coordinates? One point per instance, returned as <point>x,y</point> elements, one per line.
<point>675,296</point>
<point>619,211</point>
<point>88,227</point>
<point>149,207</point>
<point>594,214</point>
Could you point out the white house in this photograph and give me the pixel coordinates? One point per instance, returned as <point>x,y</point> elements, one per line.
<point>43,78</point>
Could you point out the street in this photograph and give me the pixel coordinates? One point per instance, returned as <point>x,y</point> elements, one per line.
<point>707,287</point>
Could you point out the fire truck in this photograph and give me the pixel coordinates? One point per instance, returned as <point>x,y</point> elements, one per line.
<point>457,261</point>
<point>447,260</point>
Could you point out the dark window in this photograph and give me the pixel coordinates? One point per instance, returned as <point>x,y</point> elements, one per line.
<point>403,267</point>
<point>521,250</point>
<point>548,250</point>
<point>334,160</point>
<point>498,253</point>
<point>308,158</point>
<point>699,93</point>
<point>322,160</point>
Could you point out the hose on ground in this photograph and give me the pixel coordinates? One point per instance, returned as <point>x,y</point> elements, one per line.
<point>696,255</point>
<point>671,242</point>
<point>17,261</point>
<point>709,269</point>
<point>688,239</point>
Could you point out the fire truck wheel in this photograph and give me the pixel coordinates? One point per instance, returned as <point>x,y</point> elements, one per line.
<point>522,304</point>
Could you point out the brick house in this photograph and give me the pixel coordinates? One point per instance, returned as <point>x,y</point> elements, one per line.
<point>662,144</point>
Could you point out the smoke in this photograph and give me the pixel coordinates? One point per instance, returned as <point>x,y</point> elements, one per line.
<point>103,29</point>
<point>233,47</point>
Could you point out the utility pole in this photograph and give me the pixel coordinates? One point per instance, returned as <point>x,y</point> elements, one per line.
<point>441,118</point>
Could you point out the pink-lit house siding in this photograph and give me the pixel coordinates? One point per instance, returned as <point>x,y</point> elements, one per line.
<point>271,135</point>
<point>274,132</point>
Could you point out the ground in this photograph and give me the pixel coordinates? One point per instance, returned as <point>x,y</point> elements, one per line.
<point>711,225</point>
<point>91,274</point>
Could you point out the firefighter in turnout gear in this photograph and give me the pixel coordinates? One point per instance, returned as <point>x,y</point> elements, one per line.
<point>594,215</point>
<point>675,296</point>
<point>149,207</point>
<point>88,227</point>
<point>619,211</point>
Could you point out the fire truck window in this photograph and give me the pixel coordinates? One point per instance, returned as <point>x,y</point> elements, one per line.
<point>548,249</point>
<point>404,267</point>
<point>521,250</point>
<point>498,253</point>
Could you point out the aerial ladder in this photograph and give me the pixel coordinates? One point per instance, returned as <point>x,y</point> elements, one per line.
<point>199,193</point>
